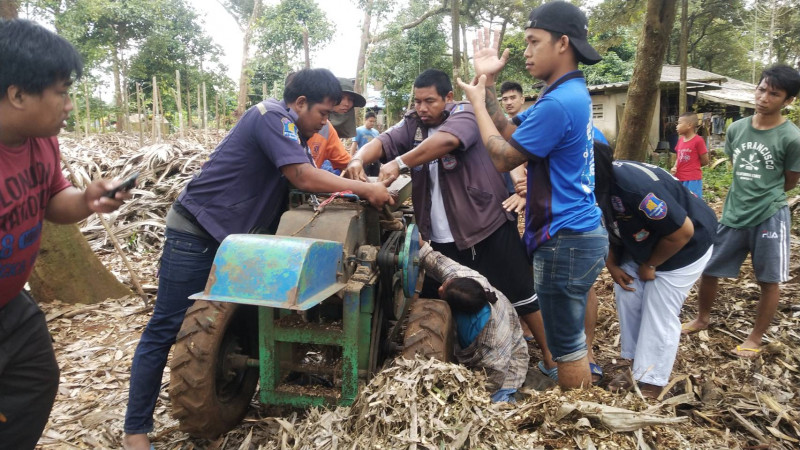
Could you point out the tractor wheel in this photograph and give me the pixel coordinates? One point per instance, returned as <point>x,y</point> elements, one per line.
<point>210,383</point>
<point>430,330</point>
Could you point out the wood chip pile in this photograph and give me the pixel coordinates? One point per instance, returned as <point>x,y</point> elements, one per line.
<point>715,400</point>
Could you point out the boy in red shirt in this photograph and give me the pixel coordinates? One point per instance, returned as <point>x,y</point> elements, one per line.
<point>692,154</point>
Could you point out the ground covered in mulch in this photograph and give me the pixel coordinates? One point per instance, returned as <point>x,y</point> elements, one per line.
<point>715,400</point>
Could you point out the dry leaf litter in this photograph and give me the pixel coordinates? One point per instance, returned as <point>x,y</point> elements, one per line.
<point>715,400</point>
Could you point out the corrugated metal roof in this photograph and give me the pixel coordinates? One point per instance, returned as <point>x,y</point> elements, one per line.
<point>669,74</point>
<point>673,73</point>
<point>708,85</point>
<point>733,92</point>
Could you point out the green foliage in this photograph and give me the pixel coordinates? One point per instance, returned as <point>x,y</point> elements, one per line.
<point>241,10</point>
<point>279,41</point>
<point>281,27</point>
<point>515,66</point>
<point>611,69</point>
<point>717,181</point>
<point>396,62</point>
<point>793,112</point>
<point>177,42</point>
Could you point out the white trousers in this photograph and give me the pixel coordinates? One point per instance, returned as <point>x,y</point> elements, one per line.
<point>650,327</point>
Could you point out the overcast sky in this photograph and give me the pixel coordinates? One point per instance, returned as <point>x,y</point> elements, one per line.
<point>340,55</point>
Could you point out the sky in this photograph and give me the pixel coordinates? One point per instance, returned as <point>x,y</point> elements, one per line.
<point>342,13</point>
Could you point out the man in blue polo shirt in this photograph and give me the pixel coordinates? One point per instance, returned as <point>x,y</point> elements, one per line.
<point>242,188</point>
<point>563,234</point>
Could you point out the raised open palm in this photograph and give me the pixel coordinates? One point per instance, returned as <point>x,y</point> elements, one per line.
<point>485,57</point>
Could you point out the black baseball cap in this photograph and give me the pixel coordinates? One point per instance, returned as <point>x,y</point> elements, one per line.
<point>568,19</point>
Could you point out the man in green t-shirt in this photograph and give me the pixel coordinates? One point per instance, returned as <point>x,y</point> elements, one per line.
<point>765,152</point>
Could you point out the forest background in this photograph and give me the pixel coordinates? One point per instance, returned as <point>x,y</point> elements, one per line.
<point>128,43</point>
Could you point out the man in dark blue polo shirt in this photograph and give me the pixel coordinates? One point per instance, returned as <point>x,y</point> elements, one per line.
<point>563,233</point>
<point>242,188</point>
<point>662,237</point>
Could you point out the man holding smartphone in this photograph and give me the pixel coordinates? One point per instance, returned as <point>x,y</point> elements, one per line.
<point>38,68</point>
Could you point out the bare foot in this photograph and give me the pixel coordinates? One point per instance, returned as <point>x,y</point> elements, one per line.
<point>136,442</point>
<point>526,332</point>
<point>748,350</point>
<point>693,326</point>
<point>650,390</point>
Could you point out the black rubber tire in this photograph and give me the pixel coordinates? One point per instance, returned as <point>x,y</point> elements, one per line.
<point>430,330</point>
<point>206,403</point>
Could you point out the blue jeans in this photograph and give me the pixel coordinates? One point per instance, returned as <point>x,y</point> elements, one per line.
<point>185,265</point>
<point>565,268</point>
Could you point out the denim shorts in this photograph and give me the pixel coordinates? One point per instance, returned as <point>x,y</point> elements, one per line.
<point>696,186</point>
<point>565,268</point>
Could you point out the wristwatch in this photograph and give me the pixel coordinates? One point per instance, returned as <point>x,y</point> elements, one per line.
<point>403,167</point>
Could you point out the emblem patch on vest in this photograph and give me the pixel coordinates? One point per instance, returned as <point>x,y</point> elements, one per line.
<point>289,129</point>
<point>653,207</point>
<point>449,162</point>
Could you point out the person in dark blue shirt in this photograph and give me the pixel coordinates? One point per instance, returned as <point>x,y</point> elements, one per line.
<point>661,239</point>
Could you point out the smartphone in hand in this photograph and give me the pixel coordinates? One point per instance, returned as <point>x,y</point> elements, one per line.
<point>126,185</point>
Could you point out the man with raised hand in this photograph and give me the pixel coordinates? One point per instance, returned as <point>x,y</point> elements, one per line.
<point>563,231</point>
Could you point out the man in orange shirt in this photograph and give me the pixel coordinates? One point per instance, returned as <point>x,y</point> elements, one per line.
<point>326,145</point>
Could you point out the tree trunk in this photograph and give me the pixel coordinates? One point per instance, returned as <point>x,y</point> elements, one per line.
<point>305,48</point>
<point>88,110</point>
<point>68,270</point>
<point>456,32</point>
<point>465,75</point>
<point>643,90</point>
<point>502,36</point>
<point>188,107</point>
<point>682,50</point>
<point>178,101</point>
<point>771,36</point>
<point>361,74</point>
<point>244,80</point>
<point>9,9</point>
<point>115,63</point>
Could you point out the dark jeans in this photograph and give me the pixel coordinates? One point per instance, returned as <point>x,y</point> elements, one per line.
<point>185,265</point>
<point>28,373</point>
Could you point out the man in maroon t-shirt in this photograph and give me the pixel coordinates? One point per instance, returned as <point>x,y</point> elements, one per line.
<point>37,70</point>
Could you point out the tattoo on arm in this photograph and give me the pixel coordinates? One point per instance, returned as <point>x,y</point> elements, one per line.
<point>495,110</point>
<point>504,156</point>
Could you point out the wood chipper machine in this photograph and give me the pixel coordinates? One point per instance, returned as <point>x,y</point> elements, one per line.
<point>305,314</point>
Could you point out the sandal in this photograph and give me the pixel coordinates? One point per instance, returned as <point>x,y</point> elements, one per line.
<point>746,352</point>
<point>598,371</point>
<point>552,373</point>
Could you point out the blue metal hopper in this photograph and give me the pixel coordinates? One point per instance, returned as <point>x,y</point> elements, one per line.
<point>275,271</point>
